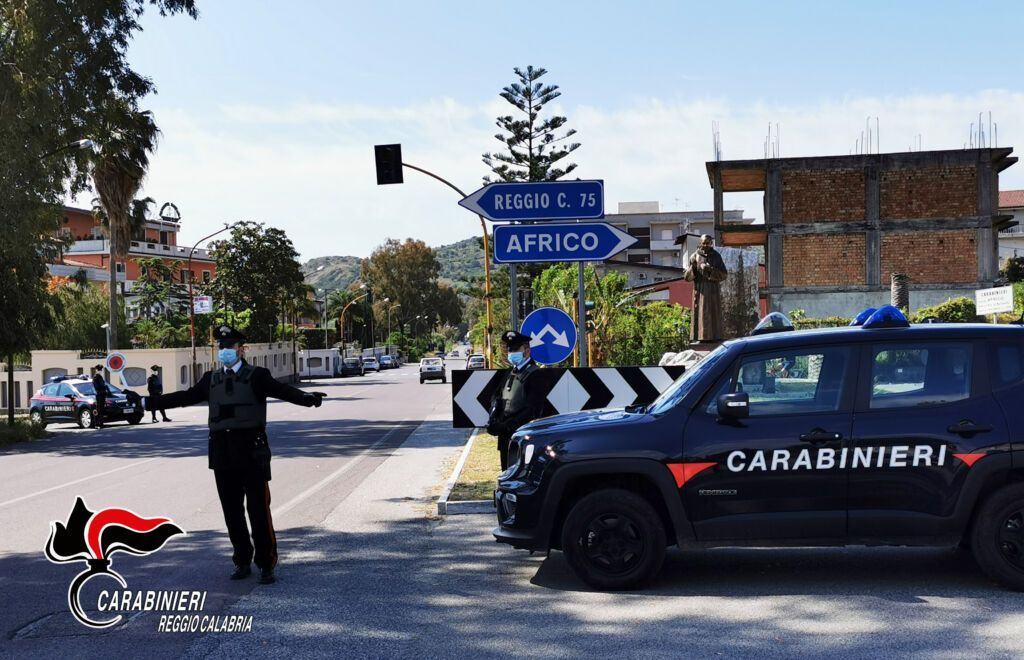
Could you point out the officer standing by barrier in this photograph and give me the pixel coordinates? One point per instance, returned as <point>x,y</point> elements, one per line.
<point>517,401</point>
<point>238,451</point>
<point>155,388</point>
<point>99,386</point>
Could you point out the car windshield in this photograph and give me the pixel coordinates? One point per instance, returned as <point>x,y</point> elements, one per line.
<point>431,362</point>
<point>682,385</point>
<point>86,389</point>
<point>352,361</point>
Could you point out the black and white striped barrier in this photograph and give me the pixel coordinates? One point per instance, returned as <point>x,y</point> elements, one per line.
<point>568,390</point>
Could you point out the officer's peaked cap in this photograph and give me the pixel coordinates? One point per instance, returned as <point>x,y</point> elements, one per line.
<point>514,339</point>
<point>228,336</point>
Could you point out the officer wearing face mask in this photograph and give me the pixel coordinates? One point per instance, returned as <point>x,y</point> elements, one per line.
<point>520,399</point>
<point>238,451</point>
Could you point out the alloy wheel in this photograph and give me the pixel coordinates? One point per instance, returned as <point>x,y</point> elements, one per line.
<point>613,543</point>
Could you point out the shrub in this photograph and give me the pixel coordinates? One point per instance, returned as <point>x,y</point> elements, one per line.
<point>22,431</point>
<point>954,310</point>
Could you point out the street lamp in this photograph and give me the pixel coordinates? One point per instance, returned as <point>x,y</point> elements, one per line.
<point>387,343</point>
<point>191,299</point>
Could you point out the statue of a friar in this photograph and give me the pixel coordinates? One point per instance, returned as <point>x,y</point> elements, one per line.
<point>706,270</point>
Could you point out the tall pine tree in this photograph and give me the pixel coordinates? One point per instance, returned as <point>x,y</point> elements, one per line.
<point>536,145</point>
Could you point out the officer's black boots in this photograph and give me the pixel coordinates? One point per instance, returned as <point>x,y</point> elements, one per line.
<point>266,576</point>
<point>241,572</point>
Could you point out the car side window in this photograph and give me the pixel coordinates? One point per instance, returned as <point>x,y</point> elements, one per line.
<point>1007,364</point>
<point>791,382</point>
<point>64,390</point>
<point>906,376</point>
<point>51,389</point>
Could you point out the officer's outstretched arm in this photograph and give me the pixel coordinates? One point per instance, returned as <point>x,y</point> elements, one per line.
<point>275,388</point>
<point>196,394</point>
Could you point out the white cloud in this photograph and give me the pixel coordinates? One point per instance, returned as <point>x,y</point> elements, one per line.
<point>308,167</point>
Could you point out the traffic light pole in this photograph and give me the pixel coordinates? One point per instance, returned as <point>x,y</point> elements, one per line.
<point>581,317</point>
<point>487,264</point>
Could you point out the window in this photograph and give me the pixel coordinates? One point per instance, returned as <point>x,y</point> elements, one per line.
<point>119,267</point>
<point>912,375</point>
<point>164,237</point>
<point>666,235</point>
<point>1008,361</point>
<point>314,362</point>
<point>206,277</point>
<point>790,383</point>
<point>184,375</point>
<point>275,360</point>
<point>183,275</point>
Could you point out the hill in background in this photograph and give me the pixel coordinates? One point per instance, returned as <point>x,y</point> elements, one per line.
<point>460,262</point>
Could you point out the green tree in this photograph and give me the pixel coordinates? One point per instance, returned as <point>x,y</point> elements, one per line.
<point>257,270</point>
<point>118,171</point>
<point>82,310</point>
<point>535,145</point>
<point>61,64</point>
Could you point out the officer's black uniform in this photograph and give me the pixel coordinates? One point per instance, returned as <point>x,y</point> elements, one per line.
<point>155,387</point>
<point>518,401</point>
<point>100,387</point>
<point>238,451</point>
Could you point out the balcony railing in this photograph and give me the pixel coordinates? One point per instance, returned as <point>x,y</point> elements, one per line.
<point>140,247</point>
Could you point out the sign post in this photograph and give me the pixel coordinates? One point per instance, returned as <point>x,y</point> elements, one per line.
<point>993,301</point>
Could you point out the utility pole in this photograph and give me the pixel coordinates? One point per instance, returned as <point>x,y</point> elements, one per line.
<point>514,312</point>
<point>581,317</point>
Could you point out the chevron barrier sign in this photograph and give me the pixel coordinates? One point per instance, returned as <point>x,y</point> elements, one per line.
<point>568,389</point>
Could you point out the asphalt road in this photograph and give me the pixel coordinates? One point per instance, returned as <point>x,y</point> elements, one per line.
<point>367,571</point>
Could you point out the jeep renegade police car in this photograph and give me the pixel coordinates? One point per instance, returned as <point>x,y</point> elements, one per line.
<point>73,399</point>
<point>885,434</point>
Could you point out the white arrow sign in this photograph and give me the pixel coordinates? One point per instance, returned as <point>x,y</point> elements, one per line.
<point>467,397</point>
<point>537,338</point>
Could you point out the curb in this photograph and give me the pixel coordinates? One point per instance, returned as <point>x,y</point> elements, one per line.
<point>446,508</point>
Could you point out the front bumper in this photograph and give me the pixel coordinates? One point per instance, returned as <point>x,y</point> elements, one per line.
<point>519,502</point>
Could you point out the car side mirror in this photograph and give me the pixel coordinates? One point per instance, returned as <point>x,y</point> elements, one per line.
<point>735,405</point>
<point>71,397</point>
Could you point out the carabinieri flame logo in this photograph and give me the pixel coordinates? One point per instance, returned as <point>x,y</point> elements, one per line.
<point>94,538</point>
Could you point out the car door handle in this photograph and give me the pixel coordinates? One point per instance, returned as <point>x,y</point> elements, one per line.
<point>967,427</point>
<point>820,436</point>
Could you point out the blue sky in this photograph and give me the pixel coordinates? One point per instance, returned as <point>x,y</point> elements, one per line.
<point>270,110</point>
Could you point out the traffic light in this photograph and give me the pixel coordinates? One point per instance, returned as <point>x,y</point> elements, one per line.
<point>588,307</point>
<point>525,302</point>
<point>389,163</point>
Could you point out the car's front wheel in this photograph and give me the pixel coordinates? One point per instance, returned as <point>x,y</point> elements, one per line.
<point>997,538</point>
<point>86,419</point>
<point>613,539</point>
<point>37,418</point>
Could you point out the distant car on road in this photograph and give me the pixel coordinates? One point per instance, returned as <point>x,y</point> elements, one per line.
<point>432,368</point>
<point>476,362</point>
<point>371,364</point>
<point>351,367</point>
<point>387,362</point>
<point>74,400</point>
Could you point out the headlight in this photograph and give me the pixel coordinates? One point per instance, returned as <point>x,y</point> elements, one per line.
<point>528,454</point>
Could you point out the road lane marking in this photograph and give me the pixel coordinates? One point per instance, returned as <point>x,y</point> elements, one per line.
<point>292,503</point>
<point>76,481</point>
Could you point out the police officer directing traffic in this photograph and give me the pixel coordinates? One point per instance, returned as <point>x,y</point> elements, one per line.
<point>520,399</point>
<point>238,451</point>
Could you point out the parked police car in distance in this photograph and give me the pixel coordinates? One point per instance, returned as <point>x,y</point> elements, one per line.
<point>73,399</point>
<point>886,434</point>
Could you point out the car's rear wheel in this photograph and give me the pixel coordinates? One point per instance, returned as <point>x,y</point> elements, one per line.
<point>613,539</point>
<point>997,538</point>
<point>37,418</point>
<point>86,419</point>
<point>134,419</point>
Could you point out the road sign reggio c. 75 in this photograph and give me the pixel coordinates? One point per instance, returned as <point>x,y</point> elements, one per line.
<point>540,200</point>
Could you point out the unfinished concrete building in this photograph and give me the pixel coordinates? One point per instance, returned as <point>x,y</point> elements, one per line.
<point>837,227</point>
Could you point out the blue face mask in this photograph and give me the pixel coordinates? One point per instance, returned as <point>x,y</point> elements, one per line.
<point>227,356</point>
<point>516,358</point>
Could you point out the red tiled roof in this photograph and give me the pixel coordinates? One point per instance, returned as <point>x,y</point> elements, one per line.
<point>1011,199</point>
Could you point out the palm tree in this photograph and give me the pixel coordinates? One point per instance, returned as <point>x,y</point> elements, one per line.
<point>117,175</point>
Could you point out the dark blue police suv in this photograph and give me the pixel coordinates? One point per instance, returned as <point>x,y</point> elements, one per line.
<point>883,434</point>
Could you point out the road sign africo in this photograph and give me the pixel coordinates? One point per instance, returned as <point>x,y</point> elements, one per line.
<point>116,362</point>
<point>552,335</point>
